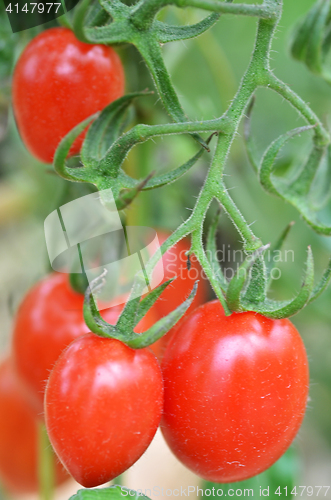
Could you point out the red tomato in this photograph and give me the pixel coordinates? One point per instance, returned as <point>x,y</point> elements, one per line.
<point>18,437</point>
<point>49,318</point>
<point>236,390</point>
<point>103,405</point>
<point>58,82</point>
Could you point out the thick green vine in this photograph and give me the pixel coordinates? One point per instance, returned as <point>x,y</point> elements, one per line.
<point>113,22</point>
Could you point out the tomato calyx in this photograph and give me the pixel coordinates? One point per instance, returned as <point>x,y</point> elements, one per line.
<point>247,290</point>
<point>134,310</point>
<point>105,149</point>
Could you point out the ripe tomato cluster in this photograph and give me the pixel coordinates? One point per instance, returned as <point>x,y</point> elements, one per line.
<point>93,383</point>
<point>231,391</point>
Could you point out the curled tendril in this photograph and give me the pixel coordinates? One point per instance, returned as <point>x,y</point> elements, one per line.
<point>134,310</point>
<point>247,290</point>
<point>300,191</point>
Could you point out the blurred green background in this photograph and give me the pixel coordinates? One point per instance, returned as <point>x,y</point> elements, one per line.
<point>206,73</point>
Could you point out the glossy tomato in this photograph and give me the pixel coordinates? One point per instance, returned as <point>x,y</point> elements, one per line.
<point>49,318</point>
<point>58,82</point>
<point>18,437</point>
<point>103,405</point>
<point>236,390</point>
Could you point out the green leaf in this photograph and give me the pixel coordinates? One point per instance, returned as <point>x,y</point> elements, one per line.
<point>302,34</point>
<point>111,493</point>
<point>316,36</point>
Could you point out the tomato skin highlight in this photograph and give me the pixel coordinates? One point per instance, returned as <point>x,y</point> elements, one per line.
<point>103,405</point>
<point>236,391</point>
<point>19,437</point>
<point>58,82</point>
<point>49,318</point>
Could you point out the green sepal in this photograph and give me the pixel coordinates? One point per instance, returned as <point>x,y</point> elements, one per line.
<point>322,285</point>
<point>96,15</point>
<point>62,151</point>
<point>127,195</point>
<point>166,33</point>
<point>115,7</point>
<point>211,252</point>
<point>270,308</point>
<point>284,309</point>
<point>173,175</point>
<point>135,308</point>
<point>92,316</point>
<point>113,33</point>
<point>131,315</point>
<point>146,303</point>
<point>112,493</point>
<point>237,283</point>
<point>256,290</point>
<point>161,327</point>
<point>105,130</point>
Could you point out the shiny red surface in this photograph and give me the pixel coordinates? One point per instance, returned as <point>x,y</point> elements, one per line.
<point>235,392</point>
<point>103,405</point>
<point>18,437</point>
<point>58,82</point>
<point>48,319</point>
